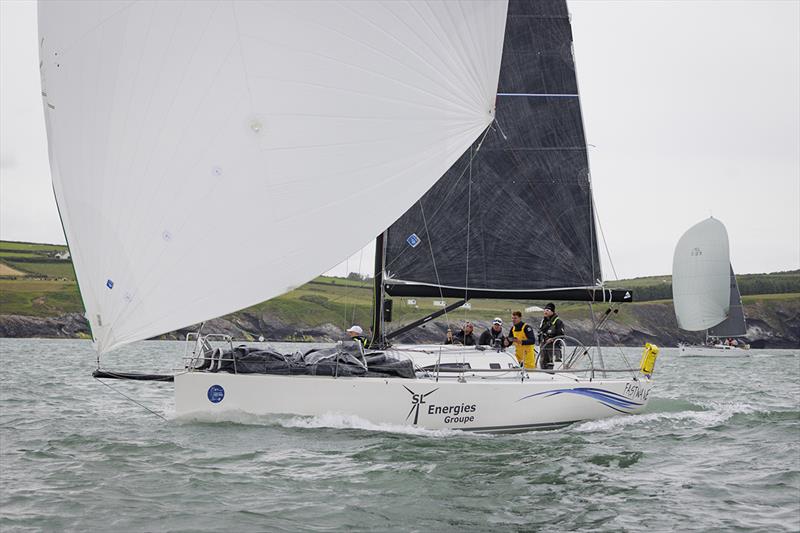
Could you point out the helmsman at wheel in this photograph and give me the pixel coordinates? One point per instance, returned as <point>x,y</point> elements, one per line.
<point>551,328</point>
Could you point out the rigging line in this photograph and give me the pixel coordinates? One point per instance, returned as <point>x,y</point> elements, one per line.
<point>618,345</point>
<point>360,257</point>
<point>603,236</point>
<point>443,201</point>
<point>162,417</point>
<point>469,217</point>
<point>466,269</point>
<point>433,260</point>
<point>425,222</point>
<point>347,292</point>
<point>593,233</point>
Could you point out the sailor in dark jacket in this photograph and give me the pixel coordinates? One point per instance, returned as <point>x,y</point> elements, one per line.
<point>465,336</point>
<point>551,328</point>
<point>494,335</point>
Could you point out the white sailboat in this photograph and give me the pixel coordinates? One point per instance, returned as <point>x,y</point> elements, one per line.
<point>705,293</point>
<point>208,156</point>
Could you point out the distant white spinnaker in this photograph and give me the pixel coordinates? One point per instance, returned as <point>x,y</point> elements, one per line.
<point>701,276</point>
<point>207,156</point>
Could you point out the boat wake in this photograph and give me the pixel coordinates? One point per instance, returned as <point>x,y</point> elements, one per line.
<point>706,414</point>
<point>324,421</point>
<point>771,355</point>
<point>342,421</point>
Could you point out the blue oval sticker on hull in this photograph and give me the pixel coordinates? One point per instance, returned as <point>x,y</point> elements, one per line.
<point>216,393</point>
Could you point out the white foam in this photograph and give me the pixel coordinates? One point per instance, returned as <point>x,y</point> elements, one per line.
<point>342,421</point>
<point>770,355</point>
<point>327,420</point>
<point>714,414</point>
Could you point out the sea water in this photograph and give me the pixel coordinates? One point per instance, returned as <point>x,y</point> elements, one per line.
<point>717,449</point>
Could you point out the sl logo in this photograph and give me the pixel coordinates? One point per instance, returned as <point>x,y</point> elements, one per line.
<point>416,401</point>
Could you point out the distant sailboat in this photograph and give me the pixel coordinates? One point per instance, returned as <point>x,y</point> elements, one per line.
<point>207,156</point>
<point>705,293</point>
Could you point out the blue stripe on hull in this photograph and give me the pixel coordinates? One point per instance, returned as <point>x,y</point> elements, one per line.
<point>612,400</point>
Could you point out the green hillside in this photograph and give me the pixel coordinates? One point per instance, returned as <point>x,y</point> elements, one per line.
<point>45,286</point>
<point>660,287</point>
<point>35,282</point>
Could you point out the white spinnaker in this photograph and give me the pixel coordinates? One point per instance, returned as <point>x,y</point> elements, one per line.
<point>210,155</point>
<point>701,276</point>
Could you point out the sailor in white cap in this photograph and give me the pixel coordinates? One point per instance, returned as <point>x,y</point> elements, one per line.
<point>493,336</point>
<point>357,334</point>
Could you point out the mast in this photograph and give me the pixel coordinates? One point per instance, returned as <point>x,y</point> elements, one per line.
<point>378,291</point>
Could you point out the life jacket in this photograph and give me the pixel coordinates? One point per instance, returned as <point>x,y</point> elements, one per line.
<point>363,341</point>
<point>526,354</point>
<point>552,324</point>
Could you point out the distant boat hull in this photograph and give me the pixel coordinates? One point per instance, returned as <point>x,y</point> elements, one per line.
<point>467,401</point>
<point>718,350</point>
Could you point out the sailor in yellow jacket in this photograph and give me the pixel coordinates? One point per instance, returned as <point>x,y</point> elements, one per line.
<point>524,340</point>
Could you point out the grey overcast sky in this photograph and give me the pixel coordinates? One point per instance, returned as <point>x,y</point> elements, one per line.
<point>692,109</point>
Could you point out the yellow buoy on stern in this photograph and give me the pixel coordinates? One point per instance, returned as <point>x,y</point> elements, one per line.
<point>648,363</point>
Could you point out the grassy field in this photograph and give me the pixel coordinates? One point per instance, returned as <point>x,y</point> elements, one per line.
<point>33,282</point>
<point>35,297</point>
<point>22,259</point>
<point>755,298</point>
<point>11,246</point>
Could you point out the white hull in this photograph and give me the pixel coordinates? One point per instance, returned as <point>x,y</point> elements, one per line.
<point>476,402</point>
<point>712,351</point>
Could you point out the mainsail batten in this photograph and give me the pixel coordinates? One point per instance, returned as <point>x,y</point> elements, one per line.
<point>514,215</point>
<point>207,156</point>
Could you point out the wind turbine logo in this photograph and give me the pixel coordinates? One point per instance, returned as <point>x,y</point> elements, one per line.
<point>416,401</point>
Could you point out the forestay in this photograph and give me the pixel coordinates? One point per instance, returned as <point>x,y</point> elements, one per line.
<point>513,217</point>
<point>701,276</point>
<point>206,156</point>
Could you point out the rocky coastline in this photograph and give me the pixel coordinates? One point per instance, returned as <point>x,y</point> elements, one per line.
<point>773,326</point>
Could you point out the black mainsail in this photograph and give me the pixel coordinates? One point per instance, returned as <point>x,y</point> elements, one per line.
<point>513,217</point>
<point>734,325</point>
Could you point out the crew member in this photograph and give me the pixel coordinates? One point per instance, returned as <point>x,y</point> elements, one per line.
<point>357,334</point>
<point>493,336</point>
<point>524,340</point>
<point>551,328</point>
<point>465,336</point>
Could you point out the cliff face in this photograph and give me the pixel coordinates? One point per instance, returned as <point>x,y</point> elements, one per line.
<point>776,322</point>
<point>68,326</point>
